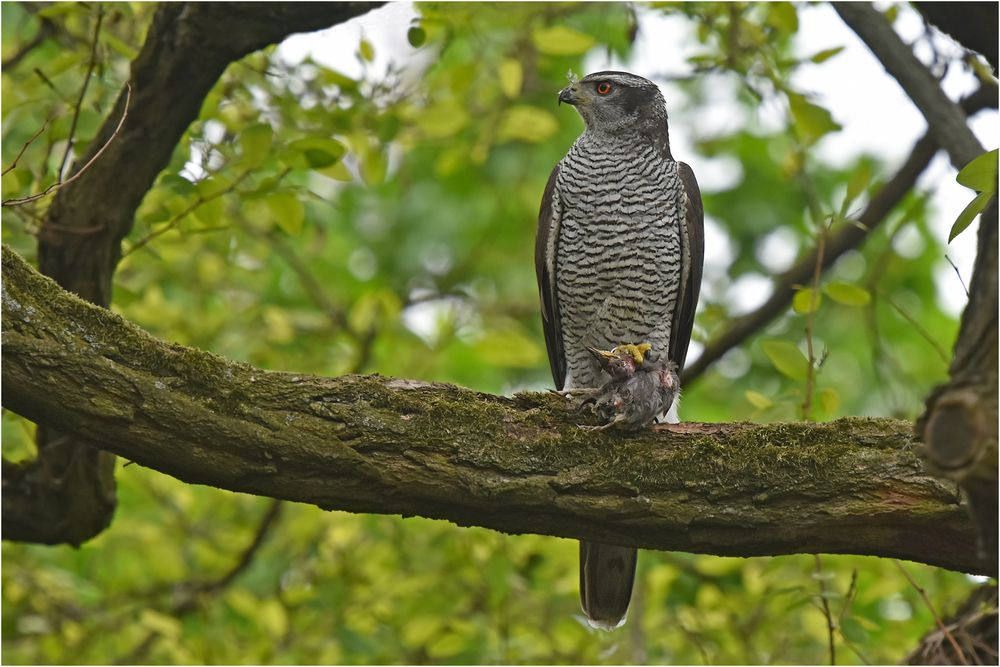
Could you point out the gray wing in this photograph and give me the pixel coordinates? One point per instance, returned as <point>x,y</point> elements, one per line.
<point>693,245</point>
<point>546,241</point>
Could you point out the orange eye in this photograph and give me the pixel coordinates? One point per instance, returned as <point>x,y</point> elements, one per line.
<point>603,88</point>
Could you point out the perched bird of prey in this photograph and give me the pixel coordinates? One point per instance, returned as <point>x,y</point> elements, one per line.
<point>619,255</point>
<point>642,387</point>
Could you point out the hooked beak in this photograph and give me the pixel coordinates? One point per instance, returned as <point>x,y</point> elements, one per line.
<point>568,95</point>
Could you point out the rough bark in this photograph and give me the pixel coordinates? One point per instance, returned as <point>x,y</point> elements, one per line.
<point>521,464</point>
<point>960,421</point>
<point>67,494</point>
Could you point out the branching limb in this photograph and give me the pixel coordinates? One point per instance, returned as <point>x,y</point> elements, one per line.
<point>70,483</point>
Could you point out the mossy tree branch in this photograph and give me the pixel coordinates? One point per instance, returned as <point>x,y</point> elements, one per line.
<point>373,444</point>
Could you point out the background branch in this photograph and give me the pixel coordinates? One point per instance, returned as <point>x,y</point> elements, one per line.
<point>848,237</point>
<point>946,121</point>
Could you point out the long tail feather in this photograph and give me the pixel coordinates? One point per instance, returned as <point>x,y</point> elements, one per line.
<point>606,575</point>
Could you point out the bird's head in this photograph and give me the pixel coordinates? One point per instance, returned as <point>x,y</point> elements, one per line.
<point>615,102</point>
<point>622,361</point>
<point>615,363</point>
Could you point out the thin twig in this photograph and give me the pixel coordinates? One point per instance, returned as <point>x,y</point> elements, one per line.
<point>83,92</point>
<point>57,185</point>
<point>48,82</point>
<point>854,649</point>
<point>852,590</point>
<point>813,297</point>
<point>31,141</point>
<point>172,223</point>
<point>831,627</point>
<point>916,326</point>
<point>937,619</point>
<point>959,274</point>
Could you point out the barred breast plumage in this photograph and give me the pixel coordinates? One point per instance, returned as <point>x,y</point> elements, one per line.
<point>618,254</point>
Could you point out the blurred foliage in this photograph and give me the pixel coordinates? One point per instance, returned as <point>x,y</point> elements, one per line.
<point>321,221</point>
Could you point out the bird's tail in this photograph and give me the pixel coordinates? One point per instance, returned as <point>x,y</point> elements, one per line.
<point>606,575</point>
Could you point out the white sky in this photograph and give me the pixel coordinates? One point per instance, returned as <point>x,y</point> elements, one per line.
<point>876,116</point>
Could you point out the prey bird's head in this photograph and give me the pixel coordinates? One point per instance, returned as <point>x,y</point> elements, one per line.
<point>622,361</point>
<point>615,102</point>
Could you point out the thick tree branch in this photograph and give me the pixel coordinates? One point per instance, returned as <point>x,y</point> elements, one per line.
<point>67,494</point>
<point>945,119</point>
<point>848,237</point>
<point>959,424</point>
<point>971,24</point>
<point>373,444</point>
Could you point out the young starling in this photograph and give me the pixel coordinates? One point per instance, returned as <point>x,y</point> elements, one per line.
<point>642,387</point>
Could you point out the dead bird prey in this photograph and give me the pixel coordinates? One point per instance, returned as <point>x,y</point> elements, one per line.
<point>642,387</point>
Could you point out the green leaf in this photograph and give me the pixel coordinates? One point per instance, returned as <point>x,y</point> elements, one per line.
<point>168,626</point>
<point>559,40</point>
<point>783,16</point>
<point>811,120</point>
<point>366,50</point>
<point>338,79</point>
<point>288,211</point>
<point>210,213</point>
<point>316,152</point>
<point>825,54</point>
<point>847,294</point>
<point>527,123</point>
<point>969,214</point>
<point>853,631</point>
<point>509,347</point>
<point>374,167</point>
<point>511,76</point>
<point>859,181</point>
<point>981,173</point>
<point>255,142</point>
<point>416,36</point>
<point>758,400</point>
<point>829,400</point>
<point>806,300</point>
<point>177,184</point>
<point>442,120</point>
<point>787,358</point>
<point>120,46</point>
<point>373,308</point>
<point>338,172</point>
